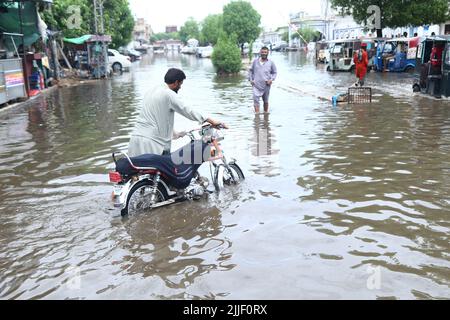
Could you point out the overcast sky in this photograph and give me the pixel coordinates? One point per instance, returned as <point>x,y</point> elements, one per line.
<point>274,13</point>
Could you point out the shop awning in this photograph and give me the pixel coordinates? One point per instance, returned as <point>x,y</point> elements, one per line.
<point>79,40</point>
<point>88,38</point>
<point>10,22</point>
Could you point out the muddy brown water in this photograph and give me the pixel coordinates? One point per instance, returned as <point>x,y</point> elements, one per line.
<point>338,202</point>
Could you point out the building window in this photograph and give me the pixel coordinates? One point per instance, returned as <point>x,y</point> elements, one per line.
<point>447,29</point>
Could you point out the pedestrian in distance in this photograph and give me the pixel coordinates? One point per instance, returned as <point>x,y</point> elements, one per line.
<point>261,75</point>
<point>361,60</point>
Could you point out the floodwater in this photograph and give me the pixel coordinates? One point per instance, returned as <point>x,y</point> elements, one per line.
<point>339,202</point>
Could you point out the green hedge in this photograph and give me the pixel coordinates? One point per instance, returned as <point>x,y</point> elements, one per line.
<point>226,56</point>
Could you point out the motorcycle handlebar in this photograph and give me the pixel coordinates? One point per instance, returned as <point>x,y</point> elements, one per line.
<point>207,125</point>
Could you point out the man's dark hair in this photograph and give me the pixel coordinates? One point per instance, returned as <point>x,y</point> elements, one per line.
<point>173,75</point>
<point>265,48</point>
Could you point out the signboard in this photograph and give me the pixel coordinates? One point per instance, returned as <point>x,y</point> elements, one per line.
<point>412,53</point>
<point>419,52</point>
<point>14,79</point>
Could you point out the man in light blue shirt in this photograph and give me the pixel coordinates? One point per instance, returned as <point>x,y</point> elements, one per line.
<point>261,75</point>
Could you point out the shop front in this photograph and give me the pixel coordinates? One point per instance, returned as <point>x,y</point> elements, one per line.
<point>12,81</point>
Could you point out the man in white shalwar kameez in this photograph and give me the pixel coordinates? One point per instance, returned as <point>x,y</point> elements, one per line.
<point>153,131</point>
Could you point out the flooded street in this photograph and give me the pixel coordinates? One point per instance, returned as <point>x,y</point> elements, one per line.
<point>339,202</point>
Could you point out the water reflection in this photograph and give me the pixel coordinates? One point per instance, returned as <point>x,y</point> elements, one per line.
<point>263,147</point>
<point>177,246</point>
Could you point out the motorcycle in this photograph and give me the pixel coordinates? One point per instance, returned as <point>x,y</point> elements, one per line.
<point>151,181</point>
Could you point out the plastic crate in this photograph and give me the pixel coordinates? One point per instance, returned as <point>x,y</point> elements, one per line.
<point>358,95</point>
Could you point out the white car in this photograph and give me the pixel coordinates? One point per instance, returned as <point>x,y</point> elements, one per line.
<point>204,52</point>
<point>117,61</point>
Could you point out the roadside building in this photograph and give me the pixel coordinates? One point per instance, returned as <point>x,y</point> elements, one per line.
<point>142,31</point>
<point>271,37</point>
<point>171,29</point>
<point>25,54</point>
<point>445,28</point>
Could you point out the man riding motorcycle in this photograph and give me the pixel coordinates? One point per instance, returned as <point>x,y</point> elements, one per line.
<point>153,131</point>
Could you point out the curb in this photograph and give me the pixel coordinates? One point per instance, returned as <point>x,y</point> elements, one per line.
<point>17,105</point>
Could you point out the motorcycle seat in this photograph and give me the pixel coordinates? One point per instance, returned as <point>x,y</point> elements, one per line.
<point>177,169</point>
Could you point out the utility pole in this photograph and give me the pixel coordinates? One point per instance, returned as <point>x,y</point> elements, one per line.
<point>98,16</point>
<point>325,8</point>
<point>99,57</point>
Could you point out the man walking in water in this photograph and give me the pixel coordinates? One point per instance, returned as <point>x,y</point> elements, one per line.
<point>261,75</point>
<point>154,127</point>
<point>361,60</point>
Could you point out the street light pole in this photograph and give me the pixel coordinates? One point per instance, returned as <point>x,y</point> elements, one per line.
<point>102,64</point>
<point>98,17</point>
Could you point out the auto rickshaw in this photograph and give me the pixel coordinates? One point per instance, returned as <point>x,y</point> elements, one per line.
<point>321,47</point>
<point>434,80</point>
<point>397,55</point>
<point>341,54</point>
<point>372,47</point>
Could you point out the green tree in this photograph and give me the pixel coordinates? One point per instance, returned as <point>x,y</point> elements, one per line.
<point>189,30</point>
<point>212,26</point>
<point>396,13</point>
<point>226,56</point>
<point>164,36</point>
<point>118,20</point>
<point>58,16</point>
<point>241,19</point>
<point>309,34</point>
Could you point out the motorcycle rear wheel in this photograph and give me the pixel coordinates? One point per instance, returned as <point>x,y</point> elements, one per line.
<point>138,199</point>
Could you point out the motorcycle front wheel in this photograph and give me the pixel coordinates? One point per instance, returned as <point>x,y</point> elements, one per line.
<point>139,197</point>
<point>227,176</point>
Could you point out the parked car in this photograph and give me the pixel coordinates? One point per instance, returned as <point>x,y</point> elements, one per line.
<point>204,52</point>
<point>132,53</point>
<point>118,62</point>
<point>280,46</point>
<point>189,49</point>
<point>135,53</point>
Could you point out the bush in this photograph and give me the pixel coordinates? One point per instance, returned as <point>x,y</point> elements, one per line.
<point>226,56</point>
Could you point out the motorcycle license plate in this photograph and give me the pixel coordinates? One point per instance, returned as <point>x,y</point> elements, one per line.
<point>118,190</point>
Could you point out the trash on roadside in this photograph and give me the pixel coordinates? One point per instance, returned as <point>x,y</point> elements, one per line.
<point>359,95</point>
<point>339,98</point>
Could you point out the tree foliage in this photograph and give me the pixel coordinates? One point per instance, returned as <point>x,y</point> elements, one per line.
<point>212,26</point>
<point>117,17</point>
<point>309,34</point>
<point>226,56</point>
<point>241,19</point>
<point>118,21</point>
<point>397,13</point>
<point>164,36</point>
<point>190,30</point>
<point>58,17</point>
